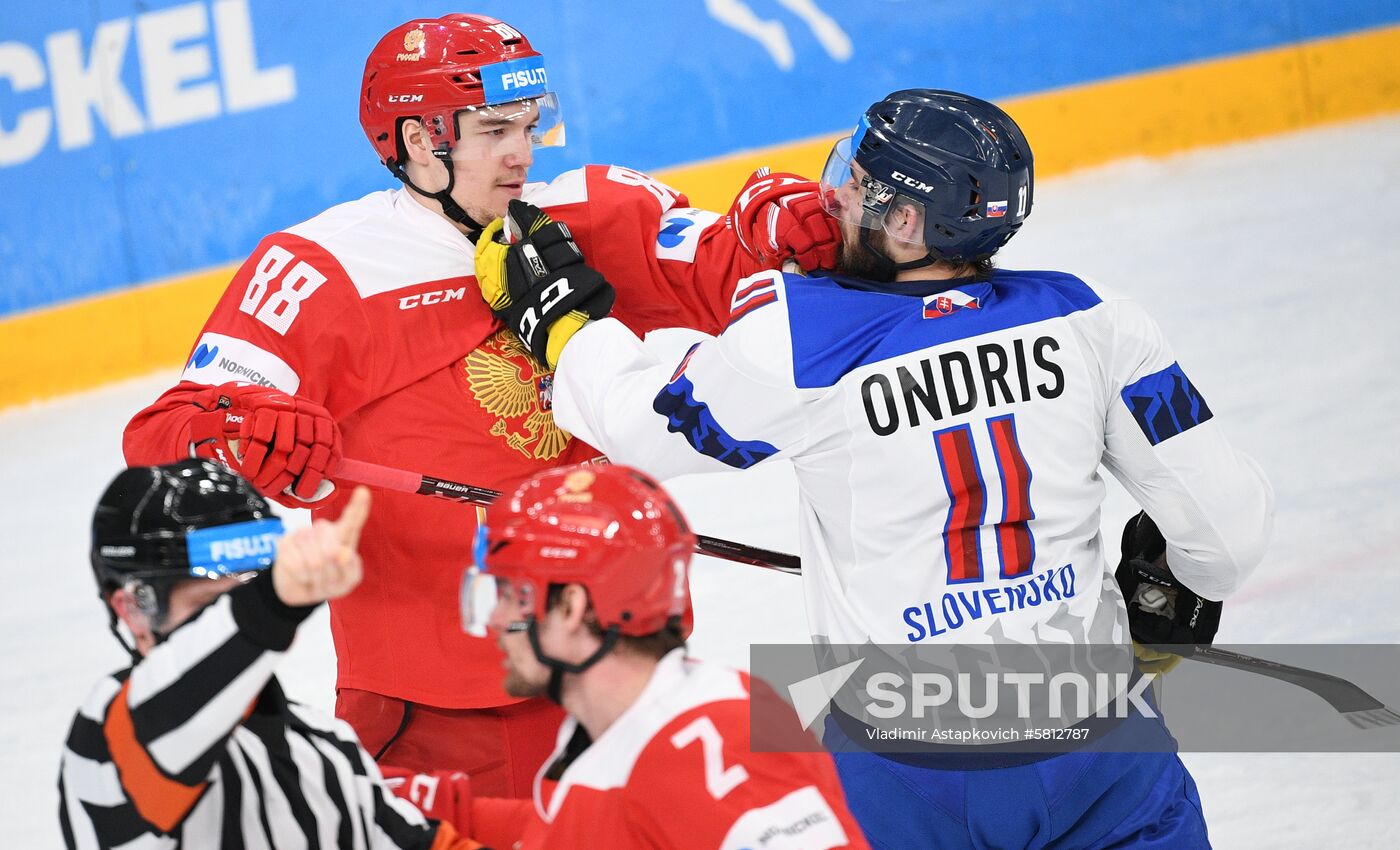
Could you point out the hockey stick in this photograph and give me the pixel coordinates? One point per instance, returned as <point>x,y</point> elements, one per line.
<point>1360,708</point>
<point>403,481</point>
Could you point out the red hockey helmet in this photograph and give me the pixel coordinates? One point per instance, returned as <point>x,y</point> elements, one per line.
<point>609,528</point>
<point>433,68</point>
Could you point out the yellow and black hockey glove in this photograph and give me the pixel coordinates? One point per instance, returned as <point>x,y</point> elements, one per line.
<point>538,283</point>
<point>1166,618</point>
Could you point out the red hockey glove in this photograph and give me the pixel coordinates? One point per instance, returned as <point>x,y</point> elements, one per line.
<point>444,795</point>
<point>283,444</point>
<point>777,216</point>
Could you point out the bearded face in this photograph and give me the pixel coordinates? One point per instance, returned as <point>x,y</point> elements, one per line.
<point>856,260</point>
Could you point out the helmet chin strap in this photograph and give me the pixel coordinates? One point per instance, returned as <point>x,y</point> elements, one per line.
<point>888,266</point>
<point>154,603</point>
<point>450,207</point>
<point>558,668</point>
<point>130,648</point>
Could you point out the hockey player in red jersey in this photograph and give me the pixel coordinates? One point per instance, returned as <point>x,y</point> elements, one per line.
<point>582,577</point>
<point>358,334</point>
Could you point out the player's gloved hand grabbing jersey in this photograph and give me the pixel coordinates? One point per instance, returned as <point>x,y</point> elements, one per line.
<point>539,284</point>
<point>777,216</point>
<point>285,445</point>
<point>1161,610</point>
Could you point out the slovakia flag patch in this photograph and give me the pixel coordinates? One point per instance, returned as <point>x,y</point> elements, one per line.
<point>946,303</point>
<point>996,209</point>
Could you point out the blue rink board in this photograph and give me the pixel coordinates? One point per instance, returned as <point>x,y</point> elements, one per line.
<point>643,84</point>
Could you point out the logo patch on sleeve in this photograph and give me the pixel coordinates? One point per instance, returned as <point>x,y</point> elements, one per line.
<point>219,359</point>
<point>679,236</point>
<point>1165,404</point>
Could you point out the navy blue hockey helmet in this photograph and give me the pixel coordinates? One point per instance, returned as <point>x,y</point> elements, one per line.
<point>960,160</point>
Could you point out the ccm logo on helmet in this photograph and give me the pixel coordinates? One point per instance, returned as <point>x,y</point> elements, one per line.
<point>910,181</point>
<point>405,98</point>
<point>521,79</point>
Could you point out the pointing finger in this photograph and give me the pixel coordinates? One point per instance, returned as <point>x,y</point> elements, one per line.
<point>352,519</point>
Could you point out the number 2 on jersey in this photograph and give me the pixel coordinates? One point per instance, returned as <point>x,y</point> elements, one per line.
<point>281,309</point>
<point>719,779</point>
<point>967,499</point>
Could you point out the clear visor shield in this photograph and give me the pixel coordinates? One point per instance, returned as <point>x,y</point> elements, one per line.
<point>503,129</point>
<point>849,194</point>
<point>488,599</point>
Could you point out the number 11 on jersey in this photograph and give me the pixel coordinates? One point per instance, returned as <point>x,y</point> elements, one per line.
<point>967,500</point>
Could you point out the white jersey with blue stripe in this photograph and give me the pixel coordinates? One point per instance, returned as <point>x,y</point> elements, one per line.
<point>947,438</point>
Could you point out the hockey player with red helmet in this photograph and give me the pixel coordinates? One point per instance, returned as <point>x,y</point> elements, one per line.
<point>582,577</point>
<point>352,335</point>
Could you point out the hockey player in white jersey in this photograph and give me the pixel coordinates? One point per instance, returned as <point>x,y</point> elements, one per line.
<point>947,421</point>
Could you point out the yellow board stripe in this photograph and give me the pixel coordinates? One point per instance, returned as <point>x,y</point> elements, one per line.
<point>1153,114</point>
<point>97,340</point>
<point>76,346</point>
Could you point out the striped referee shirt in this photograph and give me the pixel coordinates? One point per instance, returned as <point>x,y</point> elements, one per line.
<point>197,747</point>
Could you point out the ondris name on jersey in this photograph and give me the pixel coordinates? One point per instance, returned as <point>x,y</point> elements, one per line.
<point>960,607</point>
<point>957,382</point>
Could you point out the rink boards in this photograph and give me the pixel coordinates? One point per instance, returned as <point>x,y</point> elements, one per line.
<point>143,153</point>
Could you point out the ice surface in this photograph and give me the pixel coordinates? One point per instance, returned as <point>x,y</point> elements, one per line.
<point>1270,265</point>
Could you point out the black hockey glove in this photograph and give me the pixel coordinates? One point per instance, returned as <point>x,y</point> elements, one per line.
<point>1162,612</point>
<point>539,285</point>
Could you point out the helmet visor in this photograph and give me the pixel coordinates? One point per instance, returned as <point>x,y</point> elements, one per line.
<point>514,127</point>
<point>488,599</point>
<point>485,597</point>
<point>850,194</point>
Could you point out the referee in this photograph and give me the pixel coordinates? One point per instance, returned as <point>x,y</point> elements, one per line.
<point>195,745</point>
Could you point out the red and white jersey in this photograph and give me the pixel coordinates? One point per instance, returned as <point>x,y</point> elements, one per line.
<point>372,309</point>
<point>675,771</point>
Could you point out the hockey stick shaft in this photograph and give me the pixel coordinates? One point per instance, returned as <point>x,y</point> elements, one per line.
<point>404,481</point>
<point>1342,695</point>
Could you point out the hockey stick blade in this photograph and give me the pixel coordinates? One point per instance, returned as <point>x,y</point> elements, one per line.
<point>1373,719</point>
<point>1359,708</point>
<point>403,481</point>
